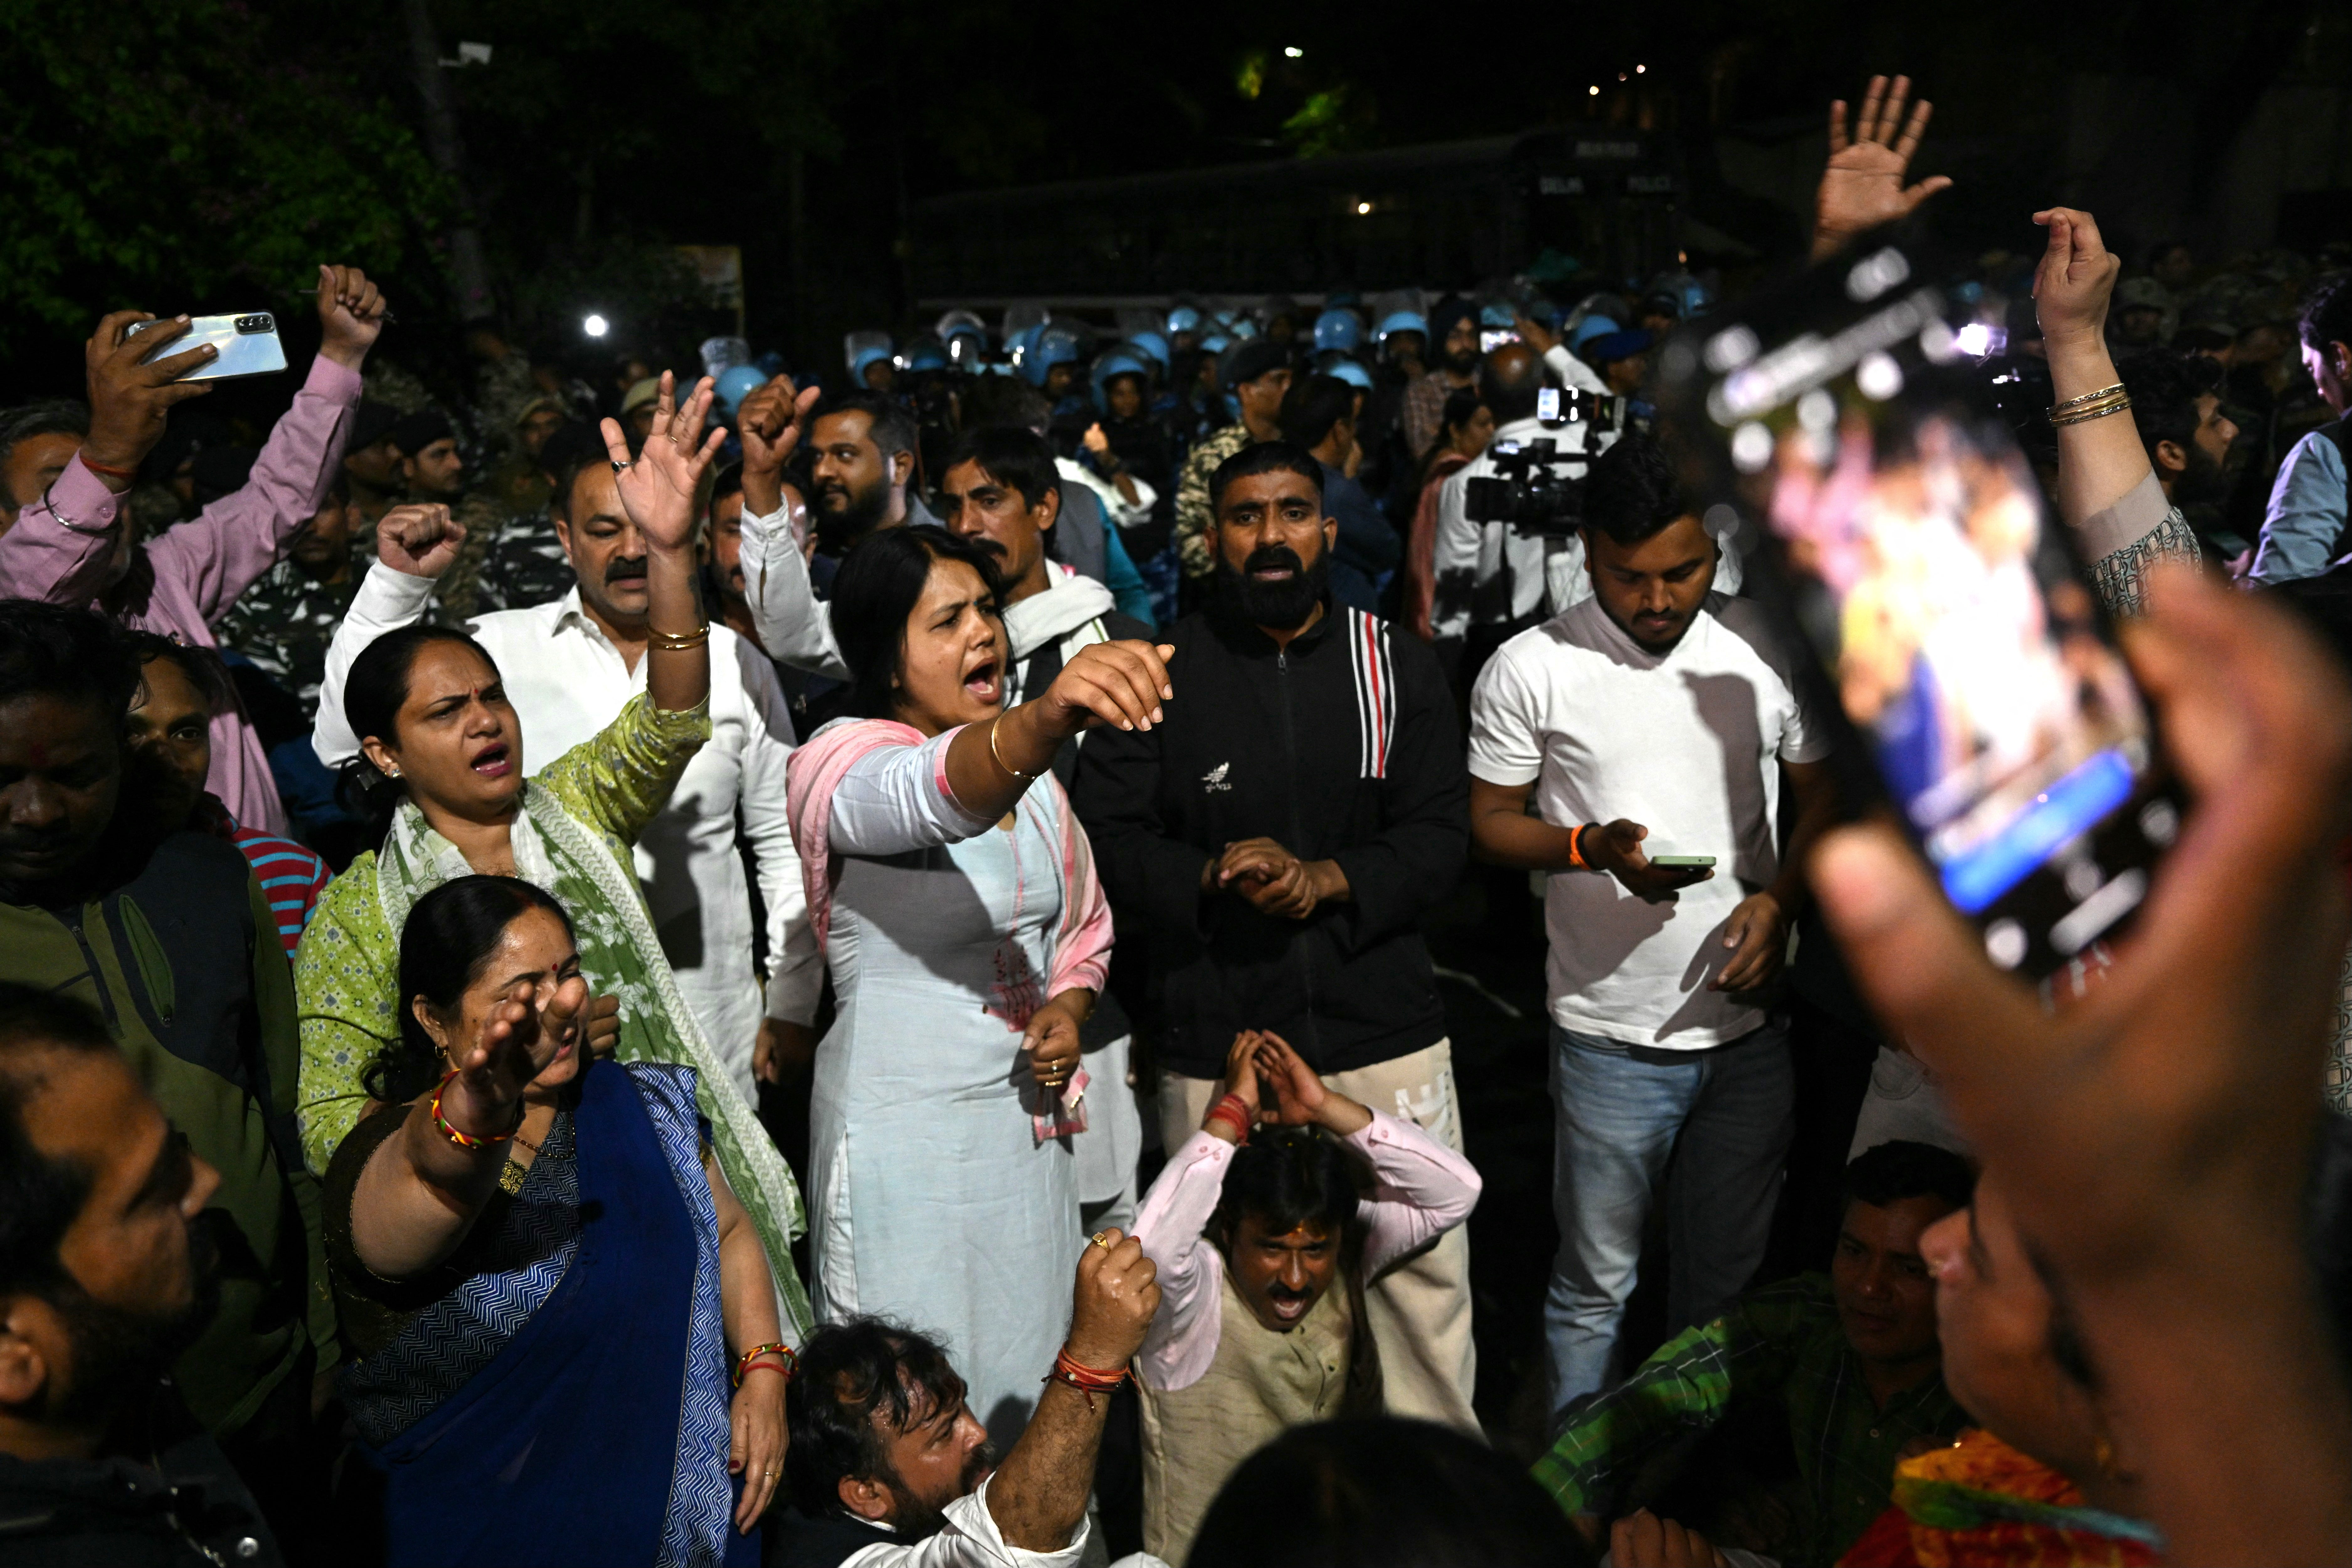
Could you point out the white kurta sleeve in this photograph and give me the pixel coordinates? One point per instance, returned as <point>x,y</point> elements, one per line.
<point>791,622</point>
<point>387,601</point>
<point>795,968</point>
<point>895,798</point>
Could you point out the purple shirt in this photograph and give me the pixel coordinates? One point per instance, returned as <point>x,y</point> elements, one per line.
<point>61,543</point>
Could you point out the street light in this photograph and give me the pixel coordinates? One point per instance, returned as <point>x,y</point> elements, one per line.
<point>1294,52</point>
<point>595,326</point>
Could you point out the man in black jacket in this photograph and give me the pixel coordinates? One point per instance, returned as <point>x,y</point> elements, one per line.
<point>1279,836</point>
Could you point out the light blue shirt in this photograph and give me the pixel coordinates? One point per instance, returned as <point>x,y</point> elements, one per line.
<point>2305,516</point>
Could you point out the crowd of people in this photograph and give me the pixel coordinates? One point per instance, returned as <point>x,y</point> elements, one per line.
<point>437,845</point>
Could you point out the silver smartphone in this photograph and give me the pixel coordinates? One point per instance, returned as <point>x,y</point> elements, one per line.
<point>248,345</point>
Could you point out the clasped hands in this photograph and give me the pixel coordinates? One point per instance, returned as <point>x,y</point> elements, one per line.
<point>1274,881</point>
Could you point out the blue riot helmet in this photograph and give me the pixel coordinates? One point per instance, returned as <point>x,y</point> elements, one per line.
<point>925,353</point>
<point>965,336</point>
<point>721,355</point>
<point>1340,330</point>
<point>1020,318</point>
<point>772,365</point>
<point>1216,343</point>
<point>1119,362</point>
<point>1183,318</point>
<point>1020,345</point>
<point>1594,325</point>
<point>1402,322</point>
<point>1244,326</point>
<point>863,350</point>
<point>1155,348</point>
<point>1342,368</point>
<point>1498,315</point>
<point>1054,345</point>
<point>735,384</point>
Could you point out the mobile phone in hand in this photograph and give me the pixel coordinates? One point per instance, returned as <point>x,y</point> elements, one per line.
<point>1847,417</point>
<point>248,345</point>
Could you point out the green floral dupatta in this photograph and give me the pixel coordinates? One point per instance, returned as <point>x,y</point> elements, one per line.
<point>621,957</point>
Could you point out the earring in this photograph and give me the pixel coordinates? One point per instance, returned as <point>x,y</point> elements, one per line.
<point>392,773</point>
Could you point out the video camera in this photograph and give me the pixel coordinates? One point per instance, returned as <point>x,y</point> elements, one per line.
<point>1527,492</point>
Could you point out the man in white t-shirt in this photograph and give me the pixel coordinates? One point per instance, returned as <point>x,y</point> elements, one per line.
<point>1654,720</point>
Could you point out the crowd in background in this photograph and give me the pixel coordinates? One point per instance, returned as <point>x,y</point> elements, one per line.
<point>737,962</point>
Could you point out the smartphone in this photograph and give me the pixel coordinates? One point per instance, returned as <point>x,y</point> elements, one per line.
<point>248,346</point>
<point>1847,417</point>
<point>1699,860</point>
<point>1548,406</point>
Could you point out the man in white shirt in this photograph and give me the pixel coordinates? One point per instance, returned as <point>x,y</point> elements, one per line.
<point>570,666</point>
<point>1655,719</point>
<point>1488,577</point>
<point>889,1469</point>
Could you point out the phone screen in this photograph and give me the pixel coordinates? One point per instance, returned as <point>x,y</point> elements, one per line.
<point>1548,405</point>
<point>1848,420</point>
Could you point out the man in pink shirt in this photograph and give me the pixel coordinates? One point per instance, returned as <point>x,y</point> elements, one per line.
<point>73,547</point>
<point>1288,1190</point>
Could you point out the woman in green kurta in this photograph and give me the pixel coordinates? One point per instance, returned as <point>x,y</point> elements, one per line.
<point>438,733</point>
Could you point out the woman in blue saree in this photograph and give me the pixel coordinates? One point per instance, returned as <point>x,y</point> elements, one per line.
<point>544,1282</point>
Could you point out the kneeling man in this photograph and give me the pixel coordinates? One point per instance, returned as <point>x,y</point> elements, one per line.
<point>1266,1225</point>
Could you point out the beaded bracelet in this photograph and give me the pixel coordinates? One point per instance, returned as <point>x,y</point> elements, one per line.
<point>467,1140</point>
<point>1086,1380</point>
<point>749,1361</point>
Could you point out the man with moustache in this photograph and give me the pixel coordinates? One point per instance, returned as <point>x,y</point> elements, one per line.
<point>1279,836</point>
<point>570,666</point>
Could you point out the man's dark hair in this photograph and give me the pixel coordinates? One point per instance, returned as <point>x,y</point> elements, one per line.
<point>1313,405</point>
<point>1005,400</point>
<point>880,582</point>
<point>727,481</point>
<point>448,939</point>
<point>849,1372</point>
<point>1011,455</point>
<point>891,426</point>
<point>1264,457</point>
<point>40,1198</point>
<point>2164,385</point>
<point>1508,380</point>
<point>202,665</point>
<point>419,430</point>
<point>49,651</point>
<point>1891,1172</point>
<point>1632,491</point>
<point>2326,314</point>
<point>1382,1493</point>
<point>49,416</point>
<point>1298,1177</point>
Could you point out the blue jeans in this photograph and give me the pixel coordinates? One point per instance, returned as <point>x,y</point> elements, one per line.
<point>1724,1116</point>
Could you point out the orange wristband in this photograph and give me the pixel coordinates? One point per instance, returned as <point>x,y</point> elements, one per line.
<point>1576,859</point>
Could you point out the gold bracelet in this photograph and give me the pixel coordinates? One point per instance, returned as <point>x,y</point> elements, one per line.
<point>680,642</point>
<point>2099,411</point>
<point>998,757</point>
<point>2088,397</point>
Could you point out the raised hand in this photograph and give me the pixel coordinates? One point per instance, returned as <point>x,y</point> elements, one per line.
<point>2075,279</point>
<point>1116,683</point>
<point>1616,847</point>
<point>1118,1292</point>
<point>518,1041</point>
<point>419,540</point>
<point>1861,185</point>
<point>771,422</point>
<point>351,315</point>
<point>1241,1080</point>
<point>128,400</point>
<point>658,487</point>
<point>2155,1135</point>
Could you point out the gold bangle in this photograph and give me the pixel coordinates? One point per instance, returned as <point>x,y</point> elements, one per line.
<point>998,757</point>
<point>2088,397</point>
<point>680,642</point>
<point>2098,411</point>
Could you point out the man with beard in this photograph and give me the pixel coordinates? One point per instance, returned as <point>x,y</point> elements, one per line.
<point>164,933</point>
<point>861,480</point>
<point>570,666</point>
<point>1656,716</point>
<point>1279,837</point>
<point>107,1272</point>
<point>1453,329</point>
<point>2176,402</point>
<point>889,1469</point>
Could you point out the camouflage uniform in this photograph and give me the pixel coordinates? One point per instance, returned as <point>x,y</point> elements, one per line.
<point>285,621</point>
<point>524,566</point>
<point>1192,512</point>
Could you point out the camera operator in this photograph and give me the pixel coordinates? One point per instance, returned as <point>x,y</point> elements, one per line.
<point>1493,579</point>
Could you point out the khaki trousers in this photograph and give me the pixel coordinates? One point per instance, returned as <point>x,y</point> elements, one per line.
<point>1420,1309</point>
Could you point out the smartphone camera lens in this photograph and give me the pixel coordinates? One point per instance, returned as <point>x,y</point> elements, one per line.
<point>253,323</point>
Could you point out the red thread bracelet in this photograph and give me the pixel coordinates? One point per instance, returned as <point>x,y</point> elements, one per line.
<point>1085,1379</point>
<point>107,469</point>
